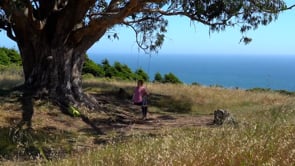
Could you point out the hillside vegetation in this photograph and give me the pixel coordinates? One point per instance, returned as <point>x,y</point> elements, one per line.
<point>10,60</point>
<point>178,131</point>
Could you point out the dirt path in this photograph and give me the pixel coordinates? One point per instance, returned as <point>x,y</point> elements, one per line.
<point>156,122</point>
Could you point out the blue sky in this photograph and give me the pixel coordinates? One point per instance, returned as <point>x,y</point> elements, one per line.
<point>185,37</point>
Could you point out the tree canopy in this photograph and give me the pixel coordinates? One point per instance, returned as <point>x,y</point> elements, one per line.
<point>85,21</point>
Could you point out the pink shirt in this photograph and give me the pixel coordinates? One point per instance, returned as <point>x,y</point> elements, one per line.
<point>139,92</point>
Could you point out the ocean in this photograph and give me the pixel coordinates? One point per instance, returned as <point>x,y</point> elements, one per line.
<point>275,72</point>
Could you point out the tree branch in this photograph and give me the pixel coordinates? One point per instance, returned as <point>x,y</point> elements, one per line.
<point>10,34</point>
<point>290,7</point>
<point>71,15</point>
<point>190,16</point>
<point>96,26</point>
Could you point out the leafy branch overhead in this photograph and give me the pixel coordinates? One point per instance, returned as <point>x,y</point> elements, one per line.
<point>86,21</point>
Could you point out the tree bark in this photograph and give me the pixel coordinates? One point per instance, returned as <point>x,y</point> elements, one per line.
<point>54,73</point>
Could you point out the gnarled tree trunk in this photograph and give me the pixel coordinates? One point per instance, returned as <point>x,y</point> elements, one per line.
<point>54,72</point>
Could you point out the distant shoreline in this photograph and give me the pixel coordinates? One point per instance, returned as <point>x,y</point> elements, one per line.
<point>228,71</point>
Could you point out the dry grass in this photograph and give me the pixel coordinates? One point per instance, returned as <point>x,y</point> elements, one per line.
<point>10,77</point>
<point>252,145</point>
<point>264,136</point>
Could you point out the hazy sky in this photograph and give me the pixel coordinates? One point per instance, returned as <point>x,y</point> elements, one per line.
<point>185,37</point>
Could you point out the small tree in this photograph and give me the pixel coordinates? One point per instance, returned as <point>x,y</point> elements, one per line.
<point>158,77</point>
<point>123,71</point>
<point>171,78</point>
<point>92,68</point>
<point>141,75</point>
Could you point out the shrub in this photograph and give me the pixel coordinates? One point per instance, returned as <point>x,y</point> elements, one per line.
<point>92,68</point>
<point>141,75</point>
<point>9,56</point>
<point>158,77</point>
<point>123,71</point>
<point>171,78</point>
<point>196,84</point>
<point>4,59</point>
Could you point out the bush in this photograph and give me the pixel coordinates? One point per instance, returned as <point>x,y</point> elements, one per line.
<point>123,72</point>
<point>92,68</point>
<point>196,84</point>
<point>158,77</point>
<point>141,75</point>
<point>4,59</point>
<point>9,56</point>
<point>171,78</point>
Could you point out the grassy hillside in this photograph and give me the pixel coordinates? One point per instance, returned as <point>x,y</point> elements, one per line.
<point>178,130</point>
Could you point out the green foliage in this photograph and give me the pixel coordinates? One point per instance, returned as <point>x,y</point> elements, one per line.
<point>141,75</point>
<point>168,78</point>
<point>4,59</point>
<point>171,78</point>
<point>117,70</point>
<point>158,77</point>
<point>123,71</point>
<point>74,111</point>
<point>150,26</point>
<point>283,92</point>
<point>92,68</point>
<point>9,56</point>
<point>196,84</point>
<point>108,69</point>
<point>259,90</point>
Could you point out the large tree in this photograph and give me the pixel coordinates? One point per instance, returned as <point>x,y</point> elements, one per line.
<point>53,35</point>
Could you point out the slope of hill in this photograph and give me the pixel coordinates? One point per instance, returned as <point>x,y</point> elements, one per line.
<point>178,130</point>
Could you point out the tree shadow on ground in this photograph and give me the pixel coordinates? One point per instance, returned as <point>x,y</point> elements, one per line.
<point>170,104</point>
<point>48,143</point>
<point>19,94</point>
<point>121,94</point>
<point>115,101</point>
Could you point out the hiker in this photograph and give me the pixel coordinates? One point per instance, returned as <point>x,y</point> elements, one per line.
<point>140,98</point>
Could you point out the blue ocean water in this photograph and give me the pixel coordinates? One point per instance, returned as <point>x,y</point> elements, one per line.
<point>230,71</point>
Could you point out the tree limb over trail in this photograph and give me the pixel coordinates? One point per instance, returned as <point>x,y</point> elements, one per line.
<point>54,35</point>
